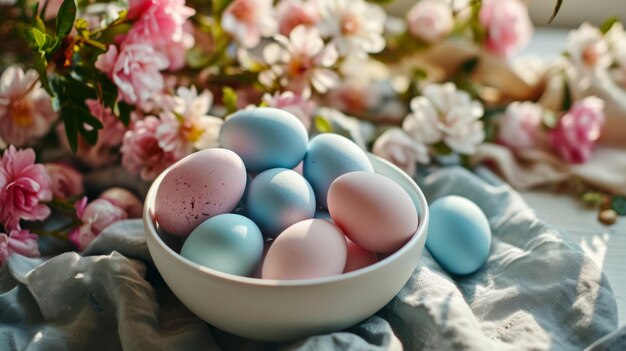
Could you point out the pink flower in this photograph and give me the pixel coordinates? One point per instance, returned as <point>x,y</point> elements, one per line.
<point>125,200</point>
<point>249,20</point>
<point>160,25</point>
<point>67,182</point>
<point>21,242</point>
<point>508,26</point>
<point>300,61</point>
<point>354,96</point>
<point>430,20</point>
<point>519,125</point>
<point>24,184</point>
<point>25,107</point>
<point>95,218</point>
<point>299,105</point>
<point>135,72</point>
<point>401,150</point>
<point>292,13</point>
<point>141,152</point>
<point>577,130</point>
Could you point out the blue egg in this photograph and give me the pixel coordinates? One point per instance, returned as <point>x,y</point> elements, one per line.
<point>278,198</point>
<point>265,138</point>
<point>228,243</point>
<point>329,156</point>
<point>459,236</point>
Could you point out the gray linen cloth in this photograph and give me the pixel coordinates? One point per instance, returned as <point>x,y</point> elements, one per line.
<point>537,291</point>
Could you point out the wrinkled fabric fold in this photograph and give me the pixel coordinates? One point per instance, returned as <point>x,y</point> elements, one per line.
<point>537,291</point>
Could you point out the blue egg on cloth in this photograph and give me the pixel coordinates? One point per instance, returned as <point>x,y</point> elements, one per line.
<point>328,157</point>
<point>265,138</point>
<point>459,236</point>
<point>228,243</point>
<point>278,198</point>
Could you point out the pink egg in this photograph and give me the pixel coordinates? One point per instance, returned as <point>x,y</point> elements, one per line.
<point>358,257</point>
<point>312,248</point>
<point>200,186</point>
<point>372,210</point>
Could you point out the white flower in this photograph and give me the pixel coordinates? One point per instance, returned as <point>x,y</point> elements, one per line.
<point>249,20</point>
<point>25,107</point>
<point>400,149</point>
<point>588,49</point>
<point>430,20</point>
<point>355,26</point>
<point>186,123</point>
<point>292,13</point>
<point>300,61</point>
<point>446,114</point>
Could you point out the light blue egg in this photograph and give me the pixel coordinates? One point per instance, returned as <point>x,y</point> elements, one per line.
<point>323,214</point>
<point>459,236</point>
<point>228,243</point>
<point>265,138</point>
<point>329,156</point>
<point>278,198</point>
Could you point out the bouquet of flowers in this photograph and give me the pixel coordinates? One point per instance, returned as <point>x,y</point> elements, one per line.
<point>87,87</point>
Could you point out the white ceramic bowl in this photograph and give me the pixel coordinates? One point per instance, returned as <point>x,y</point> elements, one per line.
<point>280,310</point>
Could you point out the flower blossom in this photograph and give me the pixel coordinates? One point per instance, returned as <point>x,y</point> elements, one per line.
<point>587,48</point>
<point>446,114</point>
<point>161,25</point>
<point>67,182</point>
<point>299,105</point>
<point>508,26</point>
<point>520,124</point>
<point>95,217</point>
<point>136,72</point>
<point>21,242</point>
<point>249,20</point>
<point>141,152</point>
<point>186,123</point>
<point>24,185</point>
<point>577,131</point>
<point>25,107</point>
<point>292,13</point>
<point>400,149</point>
<point>125,200</point>
<point>300,61</point>
<point>356,26</point>
<point>430,20</point>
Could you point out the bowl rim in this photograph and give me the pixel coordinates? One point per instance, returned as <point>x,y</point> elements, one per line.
<point>150,229</point>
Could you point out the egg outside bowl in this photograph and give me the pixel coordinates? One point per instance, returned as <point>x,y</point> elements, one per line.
<point>285,310</point>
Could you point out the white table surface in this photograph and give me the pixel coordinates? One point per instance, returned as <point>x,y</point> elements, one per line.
<point>606,245</point>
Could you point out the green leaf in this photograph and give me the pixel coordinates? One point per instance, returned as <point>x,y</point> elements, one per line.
<point>548,118</point>
<point>441,148</point>
<point>567,95</point>
<point>65,20</point>
<point>608,24</point>
<point>124,111</point>
<point>322,125</point>
<point>71,126</point>
<point>557,7</point>
<point>229,99</point>
<point>593,198</point>
<point>38,39</point>
<point>469,65</point>
<point>41,67</point>
<point>618,203</point>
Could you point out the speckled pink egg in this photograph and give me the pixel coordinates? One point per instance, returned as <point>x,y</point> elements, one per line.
<point>372,210</point>
<point>312,248</point>
<point>198,187</point>
<point>358,257</point>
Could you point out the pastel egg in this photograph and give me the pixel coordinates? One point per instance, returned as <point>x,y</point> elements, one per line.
<point>358,257</point>
<point>278,198</point>
<point>201,185</point>
<point>309,249</point>
<point>329,156</point>
<point>373,210</point>
<point>228,243</point>
<point>265,138</point>
<point>459,236</point>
